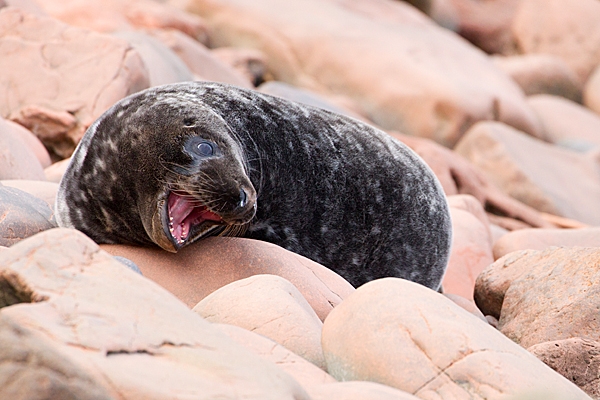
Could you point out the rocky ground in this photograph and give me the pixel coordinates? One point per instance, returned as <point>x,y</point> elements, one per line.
<point>501,98</point>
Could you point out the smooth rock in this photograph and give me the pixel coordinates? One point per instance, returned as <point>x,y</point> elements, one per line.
<point>271,306</point>
<point>541,239</point>
<point>31,141</point>
<point>198,270</point>
<point>470,253</point>
<point>566,123</point>
<point>591,91</point>
<point>357,390</point>
<point>411,76</point>
<point>55,172</point>
<point>303,371</point>
<point>17,159</point>
<point>542,74</point>
<point>42,190</point>
<point>134,338</point>
<point>563,28</point>
<point>250,63</point>
<point>199,59</point>
<point>78,75</point>
<point>466,304</point>
<point>543,295</point>
<point>546,177</point>
<point>400,334</point>
<point>117,15</point>
<point>576,359</point>
<point>30,6</point>
<point>22,215</point>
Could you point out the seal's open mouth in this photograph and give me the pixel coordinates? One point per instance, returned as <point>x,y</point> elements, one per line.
<point>185,213</point>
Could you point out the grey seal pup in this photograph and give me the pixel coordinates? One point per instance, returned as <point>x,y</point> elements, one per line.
<point>173,164</point>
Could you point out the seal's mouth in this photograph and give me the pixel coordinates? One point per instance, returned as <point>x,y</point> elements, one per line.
<point>188,218</point>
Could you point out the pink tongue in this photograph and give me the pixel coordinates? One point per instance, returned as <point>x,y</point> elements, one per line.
<point>183,213</point>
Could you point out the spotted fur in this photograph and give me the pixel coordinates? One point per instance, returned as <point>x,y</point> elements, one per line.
<point>328,187</point>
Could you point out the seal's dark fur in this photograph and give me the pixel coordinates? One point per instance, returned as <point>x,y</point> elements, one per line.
<point>328,187</point>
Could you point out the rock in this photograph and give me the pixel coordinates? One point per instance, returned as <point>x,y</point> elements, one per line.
<point>55,172</point>
<point>196,271</point>
<point>470,253</point>
<point>541,239</point>
<point>250,63</point>
<point>200,61</point>
<point>29,6</point>
<point>566,123</point>
<point>42,190</point>
<point>466,304</point>
<point>164,66</point>
<point>569,30</point>
<point>543,295</point>
<point>78,75</point>
<point>271,306</point>
<point>17,159</point>
<point>545,177</point>
<point>116,15</point>
<point>591,91</point>
<point>31,141</point>
<point>357,390</point>
<point>576,359</point>
<point>22,215</point>
<point>131,336</point>
<point>446,84</point>
<point>303,371</point>
<point>542,74</point>
<point>470,204</point>
<point>400,334</point>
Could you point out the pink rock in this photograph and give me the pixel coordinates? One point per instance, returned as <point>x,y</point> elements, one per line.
<point>542,74</point>
<point>200,60</point>
<point>271,306</point>
<point>566,123</point>
<point>196,271</point>
<point>546,177</point>
<point>401,334</point>
<point>55,172</point>
<point>17,159</point>
<point>31,141</point>
<point>541,239</point>
<point>591,91</point>
<point>127,334</point>
<point>79,74</point>
<point>357,390</point>
<point>446,84</point>
<point>250,63</point>
<point>42,190</point>
<point>116,15</point>
<point>305,372</point>
<point>569,30</point>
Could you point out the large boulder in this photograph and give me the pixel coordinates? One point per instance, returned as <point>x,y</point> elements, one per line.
<point>17,159</point>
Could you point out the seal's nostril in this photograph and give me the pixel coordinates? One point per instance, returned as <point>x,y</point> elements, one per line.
<point>243,198</point>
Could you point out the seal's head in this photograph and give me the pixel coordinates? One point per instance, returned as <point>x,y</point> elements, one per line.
<point>157,167</point>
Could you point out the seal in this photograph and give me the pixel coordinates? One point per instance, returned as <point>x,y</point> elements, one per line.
<point>173,164</point>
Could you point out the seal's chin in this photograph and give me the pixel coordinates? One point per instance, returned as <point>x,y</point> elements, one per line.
<point>188,220</point>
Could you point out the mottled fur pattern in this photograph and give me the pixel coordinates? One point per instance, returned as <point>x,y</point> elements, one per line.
<point>328,187</point>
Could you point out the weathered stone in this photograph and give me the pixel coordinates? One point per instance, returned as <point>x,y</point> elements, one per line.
<point>446,85</point>
<point>17,159</point>
<point>542,74</point>
<point>78,75</point>
<point>543,295</point>
<point>404,335</point>
<point>131,336</point>
<point>357,390</point>
<point>198,270</point>
<point>250,63</point>
<point>271,306</point>
<point>576,359</point>
<point>541,239</point>
<point>546,177</point>
<point>55,172</point>
<point>31,141</point>
<point>42,190</point>
<point>591,91</point>
<point>303,371</point>
<point>22,215</point>
<point>566,123</point>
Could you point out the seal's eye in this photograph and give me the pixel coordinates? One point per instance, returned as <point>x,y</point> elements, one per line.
<point>205,149</point>
<point>189,122</point>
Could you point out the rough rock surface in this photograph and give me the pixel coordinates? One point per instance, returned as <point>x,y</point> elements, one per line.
<point>271,306</point>
<point>131,336</point>
<point>543,295</point>
<point>78,75</point>
<point>546,177</point>
<point>576,359</point>
<point>416,340</point>
<point>437,97</point>
<point>198,270</point>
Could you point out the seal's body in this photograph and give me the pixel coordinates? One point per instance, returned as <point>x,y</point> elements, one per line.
<point>175,163</point>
